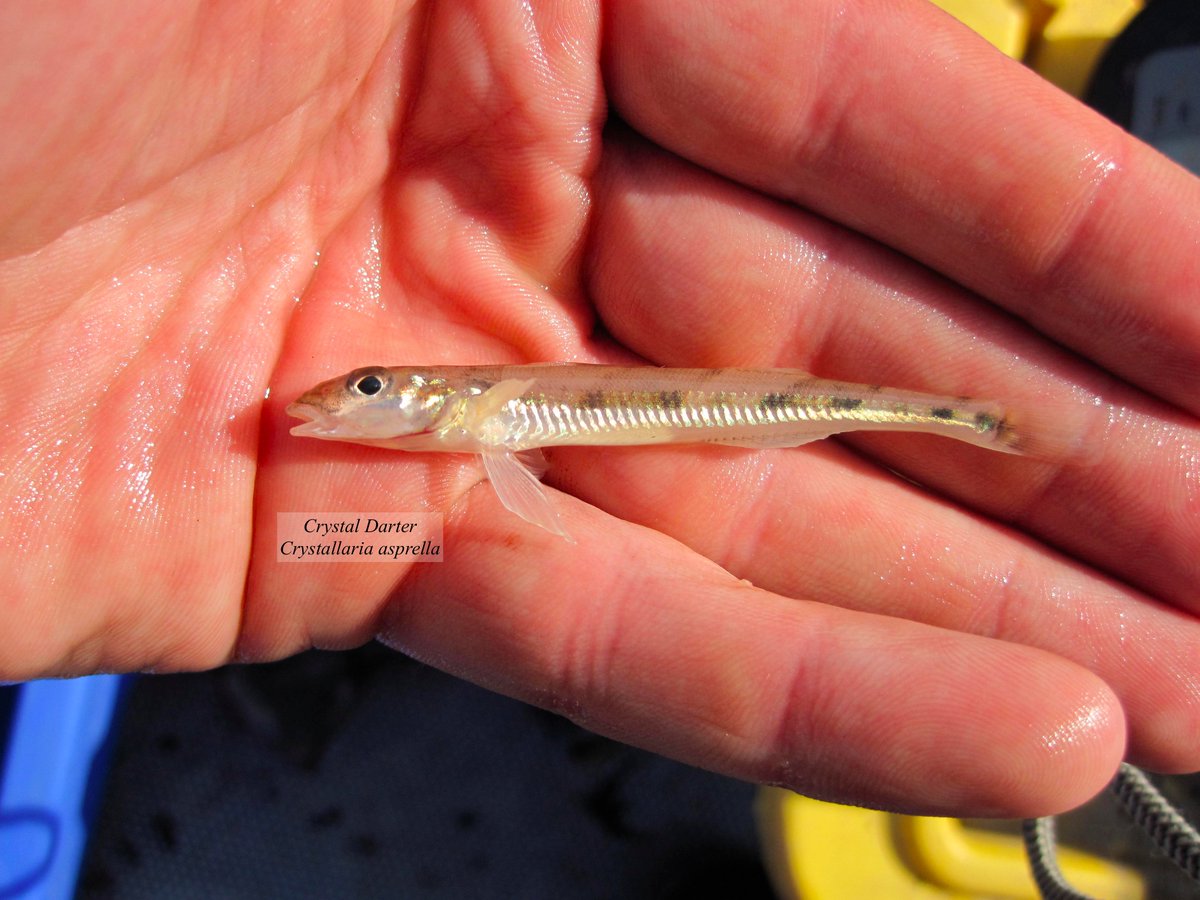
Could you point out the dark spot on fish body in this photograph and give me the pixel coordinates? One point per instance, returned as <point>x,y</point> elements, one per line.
<point>942,412</point>
<point>601,399</point>
<point>776,402</point>
<point>985,422</point>
<point>845,404</point>
<point>671,399</point>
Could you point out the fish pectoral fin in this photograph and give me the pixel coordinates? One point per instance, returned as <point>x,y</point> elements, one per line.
<point>521,492</point>
<point>485,415</point>
<point>494,398</point>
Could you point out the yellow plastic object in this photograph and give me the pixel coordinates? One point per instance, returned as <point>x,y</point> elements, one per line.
<point>1075,35</point>
<point>984,863</point>
<point>1005,23</point>
<point>823,851</point>
<point>1060,39</point>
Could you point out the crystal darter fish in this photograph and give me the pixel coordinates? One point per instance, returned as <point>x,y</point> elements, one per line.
<point>507,414</point>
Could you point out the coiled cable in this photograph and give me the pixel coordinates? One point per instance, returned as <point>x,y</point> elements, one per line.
<point>1150,811</point>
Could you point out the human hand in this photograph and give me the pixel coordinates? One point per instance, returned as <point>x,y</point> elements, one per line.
<point>979,645</point>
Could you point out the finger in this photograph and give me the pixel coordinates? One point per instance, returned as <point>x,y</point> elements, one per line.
<point>724,277</point>
<point>682,671</point>
<point>632,635</point>
<point>954,154</point>
<point>491,161</point>
<point>826,525</point>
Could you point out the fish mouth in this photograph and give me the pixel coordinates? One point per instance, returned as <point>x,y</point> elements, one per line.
<point>316,423</point>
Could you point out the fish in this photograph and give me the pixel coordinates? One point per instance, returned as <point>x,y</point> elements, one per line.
<point>507,414</point>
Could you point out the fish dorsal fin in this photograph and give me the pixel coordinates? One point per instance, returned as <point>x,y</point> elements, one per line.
<point>521,492</point>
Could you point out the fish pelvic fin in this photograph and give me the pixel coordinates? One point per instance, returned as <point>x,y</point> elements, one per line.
<point>521,493</point>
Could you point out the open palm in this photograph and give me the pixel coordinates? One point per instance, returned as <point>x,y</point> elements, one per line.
<point>263,196</point>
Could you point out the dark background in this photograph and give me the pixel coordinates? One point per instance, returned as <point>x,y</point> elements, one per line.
<point>365,774</point>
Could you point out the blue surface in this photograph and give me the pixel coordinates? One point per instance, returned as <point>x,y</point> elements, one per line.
<point>57,735</point>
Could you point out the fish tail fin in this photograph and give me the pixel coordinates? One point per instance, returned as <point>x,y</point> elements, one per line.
<point>1052,431</point>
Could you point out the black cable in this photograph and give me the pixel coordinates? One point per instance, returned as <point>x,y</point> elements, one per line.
<point>1155,815</point>
<point>1150,811</point>
<point>1038,835</point>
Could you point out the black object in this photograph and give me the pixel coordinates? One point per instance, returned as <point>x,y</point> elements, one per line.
<point>1148,81</point>
<point>364,774</point>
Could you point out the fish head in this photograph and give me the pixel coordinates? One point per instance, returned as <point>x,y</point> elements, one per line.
<point>372,404</point>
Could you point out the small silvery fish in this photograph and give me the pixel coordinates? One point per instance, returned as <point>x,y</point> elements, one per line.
<point>508,413</point>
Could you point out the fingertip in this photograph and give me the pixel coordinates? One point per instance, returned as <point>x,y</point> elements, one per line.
<point>965,726</point>
<point>1057,736</point>
<point>1082,742</point>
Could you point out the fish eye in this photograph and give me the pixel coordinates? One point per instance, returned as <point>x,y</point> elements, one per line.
<point>368,385</point>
